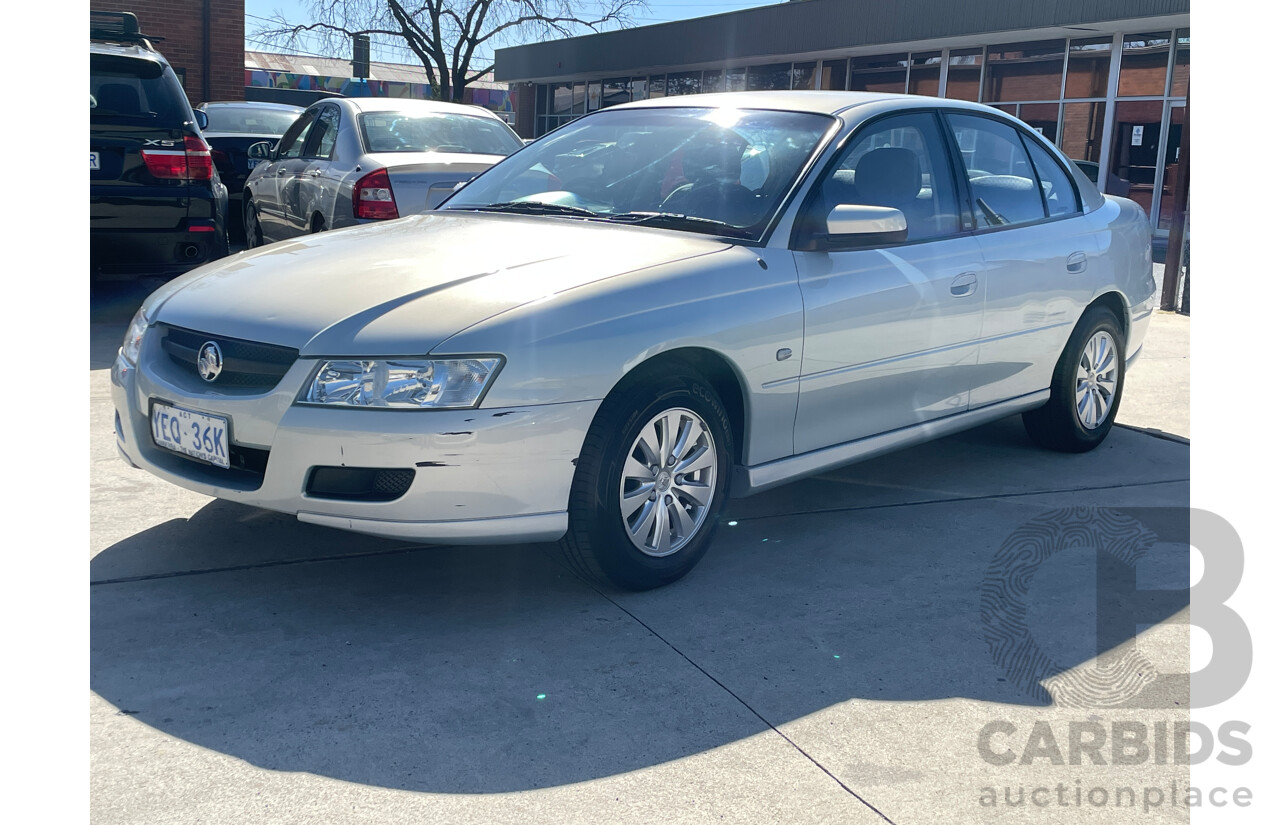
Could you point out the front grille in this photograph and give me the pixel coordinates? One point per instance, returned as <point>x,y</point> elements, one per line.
<point>244,363</point>
<point>359,483</point>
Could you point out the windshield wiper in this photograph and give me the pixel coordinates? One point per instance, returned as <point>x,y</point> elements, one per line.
<point>675,220</point>
<point>533,208</point>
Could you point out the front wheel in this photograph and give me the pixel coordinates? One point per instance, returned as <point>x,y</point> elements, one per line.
<point>651,481</point>
<point>1087,384</point>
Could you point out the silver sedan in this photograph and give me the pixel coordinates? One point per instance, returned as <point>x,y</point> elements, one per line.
<point>656,306</point>
<point>347,161</point>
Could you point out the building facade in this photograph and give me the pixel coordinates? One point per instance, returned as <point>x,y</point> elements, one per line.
<point>304,79</point>
<point>202,39</point>
<point>1108,82</point>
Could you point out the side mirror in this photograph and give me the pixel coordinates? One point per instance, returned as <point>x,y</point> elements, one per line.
<point>202,119</point>
<point>262,150</point>
<point>851,225</point>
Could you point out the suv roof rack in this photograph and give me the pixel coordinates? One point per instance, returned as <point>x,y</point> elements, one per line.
<point>118,27</point>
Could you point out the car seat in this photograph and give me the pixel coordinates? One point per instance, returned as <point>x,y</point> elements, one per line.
<point>712,163</point>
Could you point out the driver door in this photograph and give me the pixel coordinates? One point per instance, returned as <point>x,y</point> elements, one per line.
<point>269,191</point>
<point>891,331</point>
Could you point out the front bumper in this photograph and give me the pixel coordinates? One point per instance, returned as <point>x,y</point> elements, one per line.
<point>480,476</point>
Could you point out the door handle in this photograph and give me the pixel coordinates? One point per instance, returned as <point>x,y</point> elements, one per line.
<point>280,171</point>
<point>1077,262</point>
<point>313,173</point>
<point>963,285</point>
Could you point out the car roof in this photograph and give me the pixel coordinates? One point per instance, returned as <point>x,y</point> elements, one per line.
<point>825,103</point>
<point>395,104</point>
<point>254,104</point>
<point>125,50</point>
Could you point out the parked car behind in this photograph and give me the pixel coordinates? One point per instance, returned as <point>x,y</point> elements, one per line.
<point>156,203</point>
<point>348,161</point>
<point>654,307</point>
<point>233,127</point>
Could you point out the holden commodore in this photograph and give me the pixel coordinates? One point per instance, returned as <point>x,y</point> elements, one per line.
<point>348,161</point>
<point>657,306</point>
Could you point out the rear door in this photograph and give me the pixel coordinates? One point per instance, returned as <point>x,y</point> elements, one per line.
<point>133,105</point>
<point>1038,248</point>
<point>311,196</point>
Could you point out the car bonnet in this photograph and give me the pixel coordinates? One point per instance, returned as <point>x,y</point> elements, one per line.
<point>400,288</point>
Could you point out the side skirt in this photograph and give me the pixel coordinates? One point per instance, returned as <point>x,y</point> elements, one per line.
<point>748,481</point>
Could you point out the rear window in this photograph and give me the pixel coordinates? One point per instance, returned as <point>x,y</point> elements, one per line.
<point>127,89</point>
<point>250,120</point>
<point>399,132</point>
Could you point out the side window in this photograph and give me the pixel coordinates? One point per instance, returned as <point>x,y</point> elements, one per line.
<point>1000,174</point>
<point>1059,193</point>
<point>899,162</point>
<point>324,134</point>
<point>294,139</point>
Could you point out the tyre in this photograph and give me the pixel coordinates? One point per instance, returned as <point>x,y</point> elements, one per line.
<point>1088,382</point>
<point>652,479</point>
<point>252,229</point>
<point>317,224</point>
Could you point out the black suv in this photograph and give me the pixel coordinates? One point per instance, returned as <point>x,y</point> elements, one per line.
<point>156,204</point>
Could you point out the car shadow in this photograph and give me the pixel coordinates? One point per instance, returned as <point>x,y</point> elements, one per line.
<point>494,669</point>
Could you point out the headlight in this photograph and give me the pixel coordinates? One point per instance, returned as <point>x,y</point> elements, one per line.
<point>403,384</point>
<point>133,339</point>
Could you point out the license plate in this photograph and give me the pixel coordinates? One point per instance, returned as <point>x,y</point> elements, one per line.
<point>194,434</point>
<point>93,161</point>
<point>254,162</point>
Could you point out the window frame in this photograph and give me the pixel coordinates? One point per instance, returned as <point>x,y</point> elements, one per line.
<point>308,151</point>
<point>303,125</point>
<point>1024,134</point>
<point>1044,198</point>
<point>808,225</point>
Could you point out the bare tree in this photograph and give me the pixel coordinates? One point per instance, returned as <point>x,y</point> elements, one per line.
<point>449,37</point>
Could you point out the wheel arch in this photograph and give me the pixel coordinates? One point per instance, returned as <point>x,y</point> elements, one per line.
<point>1115,302</point>
<point>716,369</point>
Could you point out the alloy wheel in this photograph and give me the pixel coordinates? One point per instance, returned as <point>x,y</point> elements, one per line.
<point>1096,379</point>
<point>668,482</point>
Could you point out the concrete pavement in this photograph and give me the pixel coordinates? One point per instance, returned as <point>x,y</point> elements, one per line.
<point>829,660</point>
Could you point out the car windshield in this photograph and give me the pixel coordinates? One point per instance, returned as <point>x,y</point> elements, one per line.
<point>720,171</point>
<point>436,132</point>
<point>250,120</point>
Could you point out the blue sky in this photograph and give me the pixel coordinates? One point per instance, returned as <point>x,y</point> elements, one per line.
<point>660,11</point>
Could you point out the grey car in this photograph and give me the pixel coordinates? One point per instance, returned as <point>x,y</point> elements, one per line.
<point>347,161</point>
<point>653,308</point>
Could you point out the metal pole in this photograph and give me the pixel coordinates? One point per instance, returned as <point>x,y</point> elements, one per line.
<point>206,58</point>
<point>1173,258</point>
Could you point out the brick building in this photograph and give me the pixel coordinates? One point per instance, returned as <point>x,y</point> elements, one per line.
<point>203,41</point>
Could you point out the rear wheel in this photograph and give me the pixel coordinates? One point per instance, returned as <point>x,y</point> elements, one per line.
<point>1087,384</point>
<point>317,224</point>
<point>252,228</point>
<point>651,481</point>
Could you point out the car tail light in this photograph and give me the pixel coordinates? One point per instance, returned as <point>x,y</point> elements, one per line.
<point>372,197</point>
<point>193,162</point>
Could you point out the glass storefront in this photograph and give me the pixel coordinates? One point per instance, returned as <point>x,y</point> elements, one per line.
<point>1071,91</point>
